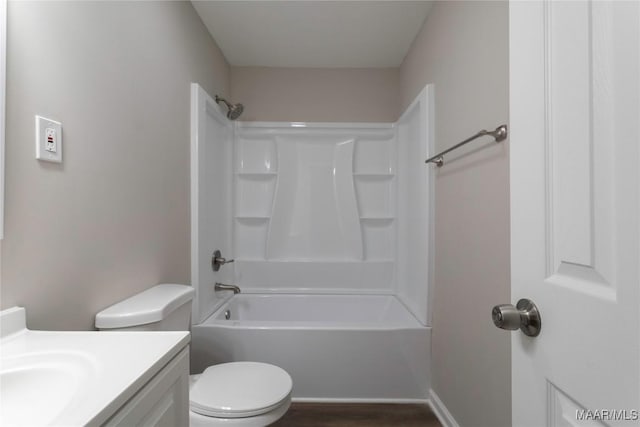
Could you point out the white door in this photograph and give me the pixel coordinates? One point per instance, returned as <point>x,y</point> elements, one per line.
<point>575,209</point>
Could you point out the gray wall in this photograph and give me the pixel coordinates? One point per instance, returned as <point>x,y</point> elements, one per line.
<point>463,49</point>
<point>317,94</point>
<point>113,219</point>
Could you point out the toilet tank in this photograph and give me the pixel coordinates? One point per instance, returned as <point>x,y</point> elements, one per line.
<point>164,307</point>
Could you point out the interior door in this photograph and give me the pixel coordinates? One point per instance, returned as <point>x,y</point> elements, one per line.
<point>575,210</point>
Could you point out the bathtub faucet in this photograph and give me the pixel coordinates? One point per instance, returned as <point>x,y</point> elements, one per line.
<point>223,287</point>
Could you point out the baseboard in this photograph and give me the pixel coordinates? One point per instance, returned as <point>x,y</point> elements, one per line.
<point>355,400</point>
<point>441,411</point>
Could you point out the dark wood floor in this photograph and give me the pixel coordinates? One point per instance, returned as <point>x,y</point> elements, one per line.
<point>357,415</point>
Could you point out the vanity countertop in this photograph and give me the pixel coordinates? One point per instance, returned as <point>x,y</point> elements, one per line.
<point>75,378</point>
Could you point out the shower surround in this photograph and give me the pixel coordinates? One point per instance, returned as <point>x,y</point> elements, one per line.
<point>314,208</point>
<point>315,202</point>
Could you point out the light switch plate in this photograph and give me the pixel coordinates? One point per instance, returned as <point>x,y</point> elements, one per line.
<point>48,140</point>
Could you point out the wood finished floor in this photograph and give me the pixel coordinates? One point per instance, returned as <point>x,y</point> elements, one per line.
<point>357,415</point>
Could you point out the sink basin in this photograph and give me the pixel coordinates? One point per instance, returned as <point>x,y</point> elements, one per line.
<point>37,387</point>
<point>75,378</point>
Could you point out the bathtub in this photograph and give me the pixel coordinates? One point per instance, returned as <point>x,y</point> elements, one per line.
<point>358,348</point>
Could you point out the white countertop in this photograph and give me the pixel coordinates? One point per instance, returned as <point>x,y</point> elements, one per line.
<point>105,369</point>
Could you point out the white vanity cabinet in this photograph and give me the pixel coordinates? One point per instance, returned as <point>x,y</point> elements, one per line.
<point>88,378</point>
<point>163,401</point>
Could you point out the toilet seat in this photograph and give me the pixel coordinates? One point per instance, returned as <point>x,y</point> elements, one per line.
<point>239,390</point>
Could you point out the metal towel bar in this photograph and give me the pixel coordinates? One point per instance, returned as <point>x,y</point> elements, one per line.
<point>500,134</point>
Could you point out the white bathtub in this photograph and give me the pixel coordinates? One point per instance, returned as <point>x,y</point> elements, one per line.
<point>336,347</point>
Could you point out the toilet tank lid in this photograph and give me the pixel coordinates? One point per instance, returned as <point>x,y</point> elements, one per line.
<point>151,305</point>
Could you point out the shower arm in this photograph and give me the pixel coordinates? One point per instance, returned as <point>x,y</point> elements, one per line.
<point>218,99</point>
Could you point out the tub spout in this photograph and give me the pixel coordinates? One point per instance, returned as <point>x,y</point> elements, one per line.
<point>223,287</point>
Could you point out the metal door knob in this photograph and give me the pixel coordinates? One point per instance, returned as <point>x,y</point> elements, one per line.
<point>524,316</point>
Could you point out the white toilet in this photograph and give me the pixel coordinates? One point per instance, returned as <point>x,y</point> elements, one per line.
<point>247,394</point>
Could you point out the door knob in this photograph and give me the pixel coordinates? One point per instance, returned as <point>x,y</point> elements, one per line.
<point>217,261</point>
<point>524,316</point>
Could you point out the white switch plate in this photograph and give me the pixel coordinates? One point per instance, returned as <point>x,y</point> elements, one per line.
<point>48,140</point>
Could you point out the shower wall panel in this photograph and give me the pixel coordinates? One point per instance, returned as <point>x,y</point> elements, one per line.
<point>314,215</point>
<point>315,207</point>
<point>415,205</point>
<point>211,198</point>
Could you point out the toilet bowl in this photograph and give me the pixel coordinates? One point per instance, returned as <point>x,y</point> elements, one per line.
<point>228,394</point>
<point>239,394</point>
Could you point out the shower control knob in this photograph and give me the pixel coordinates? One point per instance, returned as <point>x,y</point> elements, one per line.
<point>217,260</point>
<point>524,316</point>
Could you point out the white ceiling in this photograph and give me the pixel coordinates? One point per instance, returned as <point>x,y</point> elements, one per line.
<point>332,34</point>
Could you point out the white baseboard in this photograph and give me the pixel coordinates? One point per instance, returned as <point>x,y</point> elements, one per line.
<point>354,400</point>
<point>441,411</point>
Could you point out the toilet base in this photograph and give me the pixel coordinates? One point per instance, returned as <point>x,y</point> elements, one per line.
<point>262,420</point>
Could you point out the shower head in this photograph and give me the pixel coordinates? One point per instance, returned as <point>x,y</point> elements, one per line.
<point>234,109</point>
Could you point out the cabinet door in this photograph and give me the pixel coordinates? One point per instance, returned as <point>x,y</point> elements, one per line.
<point>164,401</point>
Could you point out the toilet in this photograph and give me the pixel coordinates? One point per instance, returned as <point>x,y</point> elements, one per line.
<point>242,394</point>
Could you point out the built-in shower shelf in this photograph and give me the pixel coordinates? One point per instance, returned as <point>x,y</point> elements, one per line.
<point>373,176</point>
<point>254,193</point>
<point>252,218</point>
<point>375,193</point>
<point>257,175</point>
<point>377,219</point>
<point>250,234</point>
